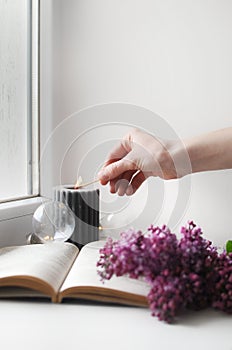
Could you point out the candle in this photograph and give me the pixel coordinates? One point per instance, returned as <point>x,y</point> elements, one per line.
<point>85,205</point>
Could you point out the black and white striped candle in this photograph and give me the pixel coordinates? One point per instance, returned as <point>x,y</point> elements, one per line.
<point>85,205</point>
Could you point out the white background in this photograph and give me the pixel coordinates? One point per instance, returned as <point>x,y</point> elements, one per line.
<point>170,57</point>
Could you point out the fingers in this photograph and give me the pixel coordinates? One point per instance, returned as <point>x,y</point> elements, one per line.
<point>122,168</point>
<point>115,170</point>
<point>136,182</point>
<point>114,156</point>
<point>128,183</point>
<point>119,152</point>
<point>120,185</point>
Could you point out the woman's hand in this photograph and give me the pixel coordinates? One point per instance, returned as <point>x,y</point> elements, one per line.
<point>138,156</point>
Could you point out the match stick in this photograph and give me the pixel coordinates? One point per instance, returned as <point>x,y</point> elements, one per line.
<point>77,186</point>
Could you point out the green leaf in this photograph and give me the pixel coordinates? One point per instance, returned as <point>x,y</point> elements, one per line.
<point>229,247</point>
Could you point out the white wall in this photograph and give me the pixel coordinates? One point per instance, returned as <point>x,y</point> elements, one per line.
<point>172,58</point>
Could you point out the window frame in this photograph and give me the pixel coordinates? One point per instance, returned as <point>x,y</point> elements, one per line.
<point>33,39</point>
<point>34,100</point>
<point>16,213</point>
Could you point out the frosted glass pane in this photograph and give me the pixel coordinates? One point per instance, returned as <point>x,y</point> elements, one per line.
<point>13,98</point>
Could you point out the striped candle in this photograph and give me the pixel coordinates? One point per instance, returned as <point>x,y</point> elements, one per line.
<point>85,205</point>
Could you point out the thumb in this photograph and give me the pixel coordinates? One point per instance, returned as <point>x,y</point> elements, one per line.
<point>116,169</point>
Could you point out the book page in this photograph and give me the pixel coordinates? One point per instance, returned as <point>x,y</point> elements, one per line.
<point>84,274</point>
<point>49,262</point>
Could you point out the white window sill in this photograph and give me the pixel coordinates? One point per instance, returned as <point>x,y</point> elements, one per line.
<point>16,220</point>
<point>19,208</point>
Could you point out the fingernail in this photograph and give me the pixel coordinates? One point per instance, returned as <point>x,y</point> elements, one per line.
<point>102,175</point>
<point>129,191</point>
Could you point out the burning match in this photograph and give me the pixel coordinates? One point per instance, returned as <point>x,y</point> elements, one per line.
<point>79,183</point>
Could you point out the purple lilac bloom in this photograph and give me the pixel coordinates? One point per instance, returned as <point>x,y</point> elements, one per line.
<point>166,298</point>
<point>123,256</point>
<point>183,274</point>
<point>222,298</point>
<point>198,259</point>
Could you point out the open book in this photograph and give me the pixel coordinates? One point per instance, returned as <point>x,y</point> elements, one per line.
<point>58,270</point>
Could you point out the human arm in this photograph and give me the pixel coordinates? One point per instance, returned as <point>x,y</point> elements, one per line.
<point>212,151</point>
<point>140,155</point>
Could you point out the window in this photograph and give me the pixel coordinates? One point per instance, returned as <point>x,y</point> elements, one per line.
<point>19,32</point>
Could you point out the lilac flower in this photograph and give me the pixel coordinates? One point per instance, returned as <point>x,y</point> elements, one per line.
<point>166,298</point>
<point>198,259</point>
<point>222,297</point>
<point>164,253</point>
<point>124,256</point>
<point>139,255</point>
<point>183,274</point>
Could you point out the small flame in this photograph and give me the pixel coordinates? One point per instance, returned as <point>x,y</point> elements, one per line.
<point>78,182</point>
<point>48,238</point>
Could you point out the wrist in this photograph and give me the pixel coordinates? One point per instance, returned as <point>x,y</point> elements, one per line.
<point>180,154</point>
<point>168,159</point>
